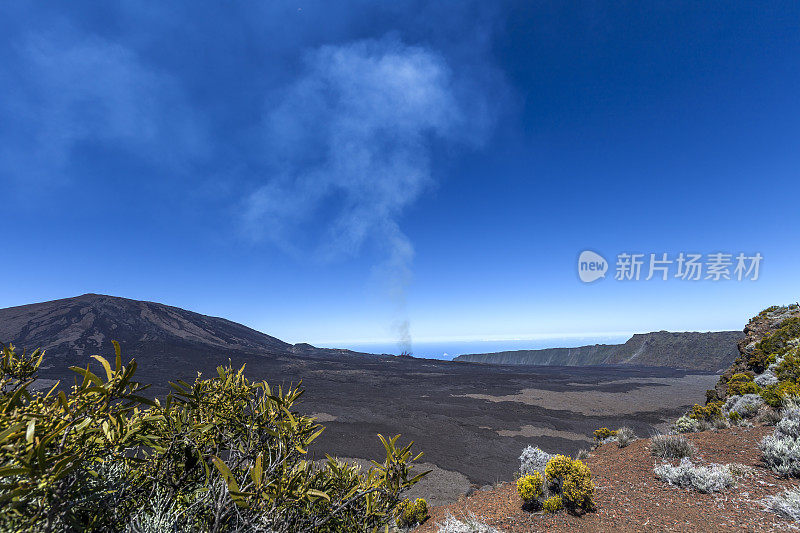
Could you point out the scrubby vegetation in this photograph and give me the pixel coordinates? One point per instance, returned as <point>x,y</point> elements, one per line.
<point>469,524</point>
<point>671,446</point>
<point>533,460</point>
<point>745,406</point>
<point>553,504</point>
<point>530,486</point>
<point>622,436</point>
<point>602,434</point>
<point>219,454</point>
<point>714,478</point>
<point>742,383</point>
<point>554,482</point>
<point>571,479</point>
<point>786,504</point>
<point>411,513</point>
<point>625,436</point>
<point>778,393</point>
<point>709,412</point>
<point>781,450</point>
<point>686,425</point>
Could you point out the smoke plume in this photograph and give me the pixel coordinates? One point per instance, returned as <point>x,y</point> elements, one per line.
<point>350,143</point>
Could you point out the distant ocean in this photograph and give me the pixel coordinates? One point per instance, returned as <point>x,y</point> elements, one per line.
<point>449,350</point>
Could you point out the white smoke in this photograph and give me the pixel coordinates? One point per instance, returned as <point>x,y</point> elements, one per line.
<point>350,145</point>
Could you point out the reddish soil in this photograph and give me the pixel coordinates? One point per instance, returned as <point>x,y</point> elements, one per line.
<point>630,498</point>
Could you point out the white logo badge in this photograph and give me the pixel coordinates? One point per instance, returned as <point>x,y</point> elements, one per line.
<point>591,266</point>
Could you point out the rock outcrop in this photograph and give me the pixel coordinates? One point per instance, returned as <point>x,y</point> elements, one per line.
<point>759,327</point>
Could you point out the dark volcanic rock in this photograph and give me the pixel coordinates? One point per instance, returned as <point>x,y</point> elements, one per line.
<point>72,329</point>
<point>712,351</point>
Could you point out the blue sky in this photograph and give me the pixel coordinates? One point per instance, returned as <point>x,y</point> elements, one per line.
<point>354,171</point>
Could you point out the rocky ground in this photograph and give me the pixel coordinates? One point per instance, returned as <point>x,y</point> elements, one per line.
<point>630,498</point>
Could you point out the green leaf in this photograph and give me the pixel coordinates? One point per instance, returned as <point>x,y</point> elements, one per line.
<point>226,473</point>
<point>318,494</point>
<point>10,431</point>
<point>29,433</point>
<point>12,470</point>
<point>87,375</point>
<point>418,477</point>
<point>106,365</point>
<point>141,399</point>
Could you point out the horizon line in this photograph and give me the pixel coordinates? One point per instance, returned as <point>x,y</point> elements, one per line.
<point>500,338</point>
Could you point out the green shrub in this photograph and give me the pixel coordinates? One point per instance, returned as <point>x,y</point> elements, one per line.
<point>529,486</point>
<point>556,470</point>
<point>734,417</point>
<point>777,342</point>
<point>578,488</point>
<point>220,454</point>
<point>775,395</point>
<point>603,433</point>
<point>789,367</point>
<point>758,361</point>
<point>573,480</point>
<point>553,504</point>
<point>410,514</point>
<point>742,383</point>
<point>771,309</point>
<point>708,412</point>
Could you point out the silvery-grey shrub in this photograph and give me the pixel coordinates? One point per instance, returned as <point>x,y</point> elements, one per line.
<point>713,478</point>
<point>686,424</point>
<point>746,405</point>
<point>625,436</point>
<point>786,504</point>
<point>781,450</point>
<point>766,379</point>
<point>533,459</point>
<point>721,423</point>
<point>469,524</point>
<point>671,446</point>
<point>781,454</point>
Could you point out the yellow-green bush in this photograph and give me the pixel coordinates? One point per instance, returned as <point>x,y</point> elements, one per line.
<point>573,480</point>
<point>603,433</point>
<point>789,367</point>
<point>775,395</point>
<point>529,486</point>
<point>553,504</point>
<point>777,342</point>
<point>410,513</point>
<point>219,454</point>
<point>578,488</point>
<point>742,383</point>
<point>712,411</point>
<point>557,468</point>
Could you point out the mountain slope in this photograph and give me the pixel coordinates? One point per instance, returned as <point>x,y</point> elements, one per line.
<point>72,329</point>
<point>710,351</point>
